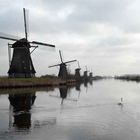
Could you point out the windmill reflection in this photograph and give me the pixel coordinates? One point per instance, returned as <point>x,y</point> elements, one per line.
<point>63,93</point>
<point>20,105</point>
<point>91,82</point>
<point>86,84</point>
<point>77,86</point>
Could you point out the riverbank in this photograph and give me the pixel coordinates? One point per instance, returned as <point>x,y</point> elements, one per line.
<point>32,82</point>
<point>135,78</point>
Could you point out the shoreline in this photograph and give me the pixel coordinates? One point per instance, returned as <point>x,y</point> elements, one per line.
<point>135,78</point>
<point>9,83</point>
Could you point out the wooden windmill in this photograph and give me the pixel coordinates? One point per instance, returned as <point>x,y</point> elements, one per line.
<point>85,77</point>
<point>63,73</point>
<point>90,75</point>
<point>21,64</point>
<point>77,73</point>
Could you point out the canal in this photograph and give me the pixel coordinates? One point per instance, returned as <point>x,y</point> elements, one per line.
<point>84,112</point>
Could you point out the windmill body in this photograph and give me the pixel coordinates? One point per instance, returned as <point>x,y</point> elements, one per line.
<point>63,71</point>
<point>85,75</point>
<point>77,73</point>
<point>21,65</point>
<point>90,75</point>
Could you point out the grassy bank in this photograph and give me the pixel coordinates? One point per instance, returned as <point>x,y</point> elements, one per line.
<point>25,90</point>
<point>30,82</point>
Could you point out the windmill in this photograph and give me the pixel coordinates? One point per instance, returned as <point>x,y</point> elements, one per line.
<point>21,64</point>
<point>85,74</point>
<point>77,73</point>
<point>63,73</point>
<point>90,76</point>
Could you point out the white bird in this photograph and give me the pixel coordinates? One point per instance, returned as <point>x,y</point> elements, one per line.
<point>121,102</point>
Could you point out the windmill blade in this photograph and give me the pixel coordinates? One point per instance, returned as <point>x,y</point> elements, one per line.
<point>86,68</point>
<point>60,56</point>
<point>70,61</point>
<point>78,65</point>
<point>62,63</point>
<point>8,38</point>
<point>40,43</point>
<point>9,54</point>
<point>25,23</point>
<point>54,65</point>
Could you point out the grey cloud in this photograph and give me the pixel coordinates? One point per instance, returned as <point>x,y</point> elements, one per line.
<point>74,26</point>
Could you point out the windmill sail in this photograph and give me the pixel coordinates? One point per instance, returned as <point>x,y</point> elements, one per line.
<point>61,63</point>
<point>8,38</point>
<point>54,65</point>
<point>71,61</point>
<point>60,56</point>
<point>40,43</point>
<point>25,23</point>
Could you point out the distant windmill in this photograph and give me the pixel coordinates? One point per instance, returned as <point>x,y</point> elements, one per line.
<point>77,73</point>
<point>21,64</point>
<point>85,74</point>
<point>90,76</point>
<point>63,73</point>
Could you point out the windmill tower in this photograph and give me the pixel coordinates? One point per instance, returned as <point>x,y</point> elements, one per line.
<point>63,73</point>
<point>21,64</point>
<point>85,77</point>
<point>77,73</point>
<point>90,75</point>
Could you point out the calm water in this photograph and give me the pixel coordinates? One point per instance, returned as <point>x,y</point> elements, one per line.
<point>90,113</point>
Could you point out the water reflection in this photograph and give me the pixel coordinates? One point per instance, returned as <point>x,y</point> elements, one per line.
<point>20,105</point>
<point>96,115</point>
<point>45,114</point>
<point>91,82</point>
<point>77,86</point>
<point>63,93</point>
<point>85,84</point>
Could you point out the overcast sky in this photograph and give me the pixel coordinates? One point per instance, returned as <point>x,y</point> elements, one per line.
<point>103,35</point>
